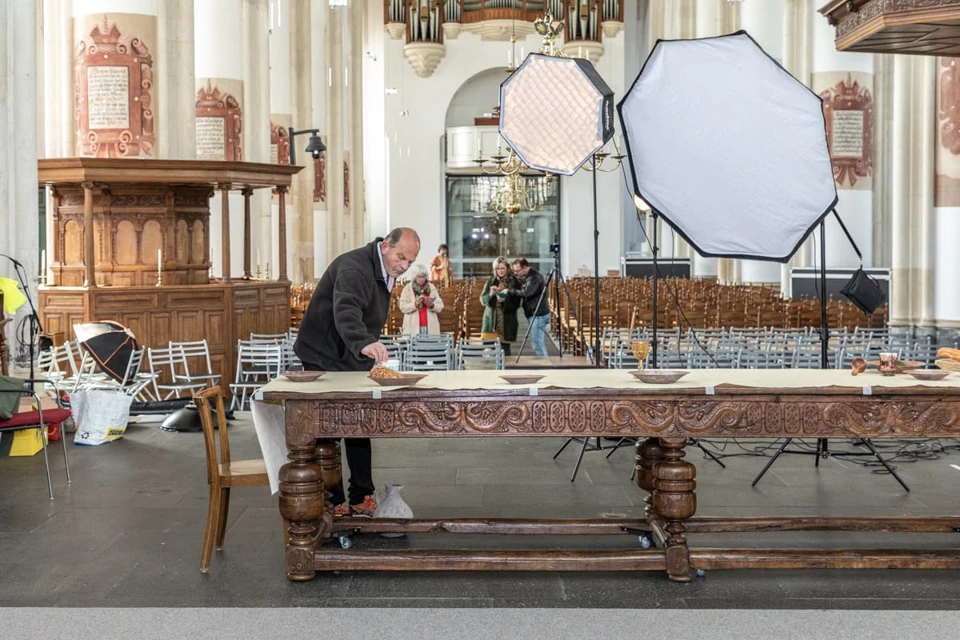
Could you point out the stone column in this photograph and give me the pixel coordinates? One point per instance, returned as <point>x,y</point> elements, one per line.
<point>357,212</point>
<point>18,164</point>
<point>337,224</point>
<point>280,122</point>
<point>175,113</point>
<point>301,266</point>
<point>845,82</point>
<point>255,24</point>
<point>798,16</point>
<point>914,222</point>
<point>220,113</point>
<point>59,124</point>
<point>764,22</point>
<point>116,76</point>
<point>946,224</point>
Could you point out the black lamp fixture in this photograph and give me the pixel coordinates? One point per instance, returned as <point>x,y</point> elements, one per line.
<point>314,147</point>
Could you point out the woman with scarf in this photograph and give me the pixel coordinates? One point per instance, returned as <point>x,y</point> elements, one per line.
<point>420,304</point>
<point>499,309</point>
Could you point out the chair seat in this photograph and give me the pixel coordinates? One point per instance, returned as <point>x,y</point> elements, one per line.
<point>243,473</point>
<point>32,418</point>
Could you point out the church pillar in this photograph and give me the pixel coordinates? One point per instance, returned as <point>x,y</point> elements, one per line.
<point>19,233</point>
<point>115,86</point>
<point>337,222</point>
<point>797,57</point>
<point>220,114</point>
<point>764,22</point>
<point>301,216</point>
<point>357,209</point>
<point>845,83</point>
<point>176,86</point>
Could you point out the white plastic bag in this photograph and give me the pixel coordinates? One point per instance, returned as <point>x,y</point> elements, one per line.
<point>101,416</point>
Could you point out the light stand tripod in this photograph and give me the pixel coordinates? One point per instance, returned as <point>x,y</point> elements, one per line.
<point>556,276</point>
<point>823,449</point>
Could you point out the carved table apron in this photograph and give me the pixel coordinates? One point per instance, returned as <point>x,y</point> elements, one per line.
<point>662,417</point>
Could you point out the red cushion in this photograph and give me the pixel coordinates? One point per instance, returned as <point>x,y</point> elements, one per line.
<point>32,418</point>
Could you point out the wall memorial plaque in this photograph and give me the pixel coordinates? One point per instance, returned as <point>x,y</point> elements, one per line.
<point>848,111</point>
<point>113,94</point>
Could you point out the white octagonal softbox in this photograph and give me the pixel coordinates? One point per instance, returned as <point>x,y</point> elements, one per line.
<point>555,113</point>
<point>728,147</point>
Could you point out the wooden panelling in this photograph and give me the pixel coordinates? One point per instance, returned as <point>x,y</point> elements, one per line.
<point>220,313</point>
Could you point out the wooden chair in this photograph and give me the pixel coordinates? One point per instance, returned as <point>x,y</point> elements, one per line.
<point>222,473</point>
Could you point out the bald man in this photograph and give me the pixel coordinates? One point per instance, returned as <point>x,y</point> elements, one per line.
<point>340,331</point>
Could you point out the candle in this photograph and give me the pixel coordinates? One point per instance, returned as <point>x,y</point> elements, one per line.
<point>43,266</point>
<point>258,260</point>
<point>159,260</point>
<point>509,58</point>
<point>478,147</point>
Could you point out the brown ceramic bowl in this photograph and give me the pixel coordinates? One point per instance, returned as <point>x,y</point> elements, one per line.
<point>302,376</point>
<point>404,380</point>
<point>518,379</point>
<point>659,376</point>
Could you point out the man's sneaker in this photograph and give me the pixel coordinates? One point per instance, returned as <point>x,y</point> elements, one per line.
<point>365,509</point>
<point>341,510</point>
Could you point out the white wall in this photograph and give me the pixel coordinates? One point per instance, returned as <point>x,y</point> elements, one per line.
<point>946,301</point>
<point>478,96</point>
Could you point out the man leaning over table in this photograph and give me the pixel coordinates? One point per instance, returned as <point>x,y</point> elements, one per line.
<point>340,331</point>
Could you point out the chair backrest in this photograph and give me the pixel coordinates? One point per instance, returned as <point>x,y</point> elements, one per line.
<point>202,400</point>
<point>195,351</point>
<point>479,354</point>
<point>259,358</point>
<point>270,338</point>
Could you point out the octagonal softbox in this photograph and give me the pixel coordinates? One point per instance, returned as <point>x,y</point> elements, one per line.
<point>555,113</point>
<point>728,147</point>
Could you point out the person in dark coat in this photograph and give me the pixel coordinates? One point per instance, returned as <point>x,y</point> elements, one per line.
<point>340,331</point>
<point>499,309</point>
<point>535,306</point>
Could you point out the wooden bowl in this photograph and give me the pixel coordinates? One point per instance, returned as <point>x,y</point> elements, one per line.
<point>403,380</point>
<point>928,374</point>
<point>659,376</point>
<point>948,365</point>
<point>518,379</point>
<point>302,376</point>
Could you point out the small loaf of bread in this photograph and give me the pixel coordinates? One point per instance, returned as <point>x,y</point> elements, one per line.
<point>947,352</point>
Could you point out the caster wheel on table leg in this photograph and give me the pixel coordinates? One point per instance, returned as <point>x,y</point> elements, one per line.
<point>700,573</point>
<point>345,542</point>
<point>644,542</point>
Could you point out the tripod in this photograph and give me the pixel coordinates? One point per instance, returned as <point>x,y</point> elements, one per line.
<point>823,448</point>
<point>555,276</point>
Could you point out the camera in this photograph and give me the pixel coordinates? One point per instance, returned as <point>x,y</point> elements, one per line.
<point>555,248</point>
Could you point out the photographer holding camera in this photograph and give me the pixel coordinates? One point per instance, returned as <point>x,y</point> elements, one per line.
<point>536,307</point>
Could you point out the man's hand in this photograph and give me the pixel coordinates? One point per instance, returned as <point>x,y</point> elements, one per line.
<point>376,351</point>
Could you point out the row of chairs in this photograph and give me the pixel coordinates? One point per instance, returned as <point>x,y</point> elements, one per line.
<point>770,348</point>
<point>440,353</point>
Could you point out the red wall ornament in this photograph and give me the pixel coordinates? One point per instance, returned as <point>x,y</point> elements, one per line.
<point>213,104</point>
<point>848,111</point>
<point>112,94</point>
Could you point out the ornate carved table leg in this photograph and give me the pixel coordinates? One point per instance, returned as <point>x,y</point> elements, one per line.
<point>328,455</point>
<point>301,491</point>
<point>675,501</point>
<point>649,453</point>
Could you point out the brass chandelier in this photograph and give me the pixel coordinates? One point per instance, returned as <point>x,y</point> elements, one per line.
<point>514,189</point>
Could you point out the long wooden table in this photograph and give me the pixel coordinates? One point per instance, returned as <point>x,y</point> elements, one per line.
<point>716,404</point>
